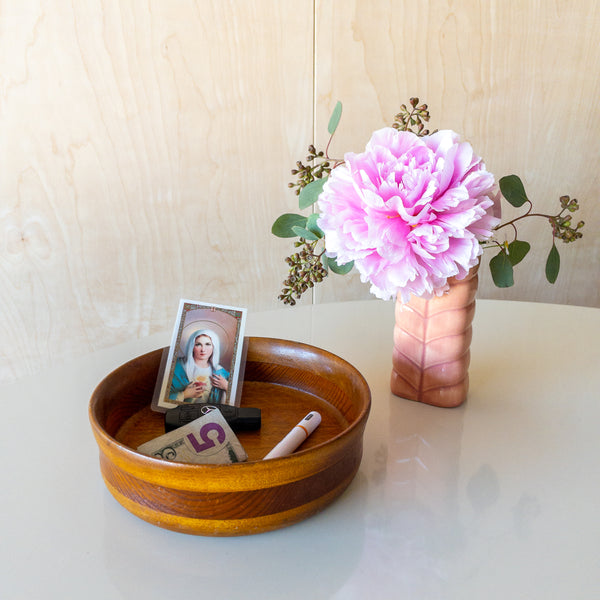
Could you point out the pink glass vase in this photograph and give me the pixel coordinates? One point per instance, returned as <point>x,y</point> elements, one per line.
<point>431,345</point>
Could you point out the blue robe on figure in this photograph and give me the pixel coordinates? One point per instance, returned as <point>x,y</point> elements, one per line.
<point>183,373</point>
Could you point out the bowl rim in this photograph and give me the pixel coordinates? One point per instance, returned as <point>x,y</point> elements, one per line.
<point>282,462</point>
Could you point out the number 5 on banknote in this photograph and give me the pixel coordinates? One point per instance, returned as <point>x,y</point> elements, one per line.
<point>207,442</point>
<point>208,439</point>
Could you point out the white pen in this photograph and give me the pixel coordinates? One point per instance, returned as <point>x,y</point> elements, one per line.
<point>296,436</point>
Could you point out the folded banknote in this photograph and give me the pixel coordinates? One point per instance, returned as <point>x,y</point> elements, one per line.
<point>207,440</point>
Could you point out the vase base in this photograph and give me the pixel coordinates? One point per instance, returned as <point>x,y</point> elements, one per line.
<point>449,396</point>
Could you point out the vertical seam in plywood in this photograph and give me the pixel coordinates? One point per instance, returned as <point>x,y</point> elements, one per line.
<point>314,69</point>
<point>314,96</point>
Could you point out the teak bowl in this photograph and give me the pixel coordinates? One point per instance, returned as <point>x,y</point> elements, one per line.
<point>286,380</point>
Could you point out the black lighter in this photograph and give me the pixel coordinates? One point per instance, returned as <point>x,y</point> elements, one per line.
<point>239,418</point>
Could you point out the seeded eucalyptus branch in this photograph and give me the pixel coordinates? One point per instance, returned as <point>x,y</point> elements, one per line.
<point>320,167</point>
<point>511,254</point>
<point>306,269</point>
<point>412,119</point>
<point>310,265</point>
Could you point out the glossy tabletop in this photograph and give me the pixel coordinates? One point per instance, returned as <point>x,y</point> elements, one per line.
<point>495,499</point>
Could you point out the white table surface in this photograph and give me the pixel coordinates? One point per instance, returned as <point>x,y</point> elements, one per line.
<point>496,499</point>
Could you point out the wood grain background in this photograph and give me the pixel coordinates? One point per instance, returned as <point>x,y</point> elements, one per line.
<point>145,146</point>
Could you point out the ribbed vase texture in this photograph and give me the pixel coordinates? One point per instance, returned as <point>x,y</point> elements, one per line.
<point>432,340</point>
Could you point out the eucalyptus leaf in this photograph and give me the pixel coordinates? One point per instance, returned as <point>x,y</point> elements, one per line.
<point>311,225</point>
<point>552,264</point>
<point>339,269</point>
<point>502,270</point>
<point>309,194</point>
<point>283,226</point>
<point>304,233</point>
<point>517,251</point>
<point>512,189</point>
<point>334,120</point>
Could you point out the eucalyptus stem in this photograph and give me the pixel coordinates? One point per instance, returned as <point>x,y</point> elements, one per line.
<point>529,214</point>
<point>561,226</point>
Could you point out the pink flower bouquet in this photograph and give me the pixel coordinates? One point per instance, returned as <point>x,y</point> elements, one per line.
<point>411,211</point>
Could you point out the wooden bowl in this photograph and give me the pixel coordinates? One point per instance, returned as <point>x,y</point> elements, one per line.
<point>286,380</point>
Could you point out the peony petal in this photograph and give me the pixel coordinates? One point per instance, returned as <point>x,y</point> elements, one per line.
<point>409,211</point>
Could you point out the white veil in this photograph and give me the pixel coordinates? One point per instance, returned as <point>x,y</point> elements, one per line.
<point>213,361</point>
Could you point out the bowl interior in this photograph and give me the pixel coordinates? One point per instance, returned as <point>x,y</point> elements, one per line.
<point>286,380</point>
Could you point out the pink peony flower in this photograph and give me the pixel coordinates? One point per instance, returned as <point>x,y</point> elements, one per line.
<point>409,211</point>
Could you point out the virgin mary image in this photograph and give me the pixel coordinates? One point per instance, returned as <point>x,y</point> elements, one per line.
<point>198,376</point>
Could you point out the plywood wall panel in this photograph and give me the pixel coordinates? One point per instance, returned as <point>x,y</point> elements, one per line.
<point>145,146</point>
<point>519,80</point>
<point>144,150</point>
